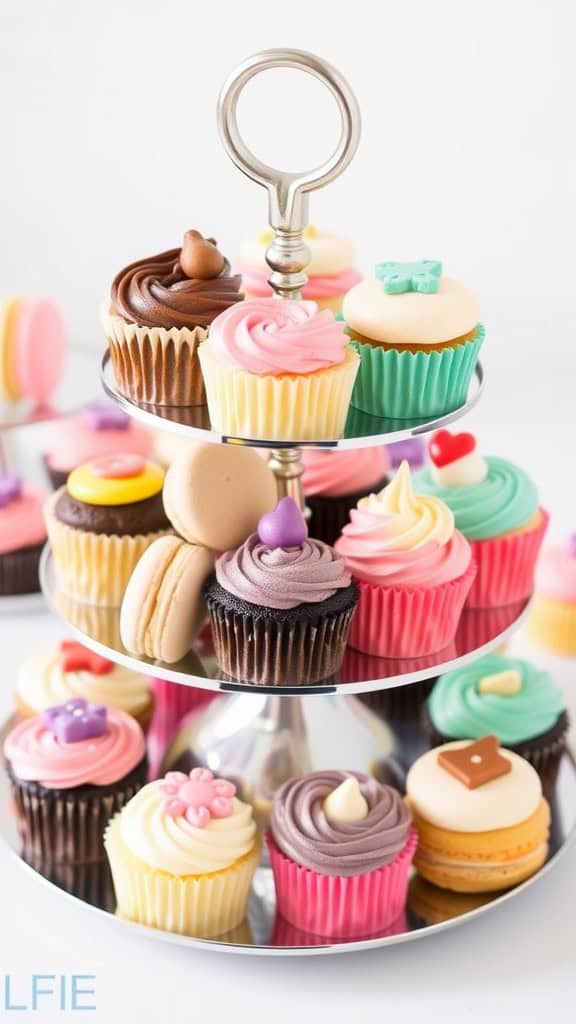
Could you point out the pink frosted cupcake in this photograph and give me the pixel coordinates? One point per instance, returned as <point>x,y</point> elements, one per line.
<point>414,570</point>
<point>99,429</point>
<point>341,845</point>
<point>496,506</point>
<point>22,535</point>
<point>331,271</point>
<point>334,482</point>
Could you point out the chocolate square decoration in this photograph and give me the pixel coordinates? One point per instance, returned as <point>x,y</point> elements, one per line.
<point>476,764</point>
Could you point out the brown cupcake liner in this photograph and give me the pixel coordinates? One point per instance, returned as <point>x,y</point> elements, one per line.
<point>544,752</point>
<point>66,826</point>
<point>155,365</point>
<point>19,571</point>
<point>328,515</point>
<point>278,653</point>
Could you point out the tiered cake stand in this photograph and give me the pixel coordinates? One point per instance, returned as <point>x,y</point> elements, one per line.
<point>260,735</point>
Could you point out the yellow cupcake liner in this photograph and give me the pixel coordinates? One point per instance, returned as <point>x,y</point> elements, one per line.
<point>552,624</point>
<point>204,906</point>
<point>156,365</point>
<point>93,568</point>
<point>285,408</point>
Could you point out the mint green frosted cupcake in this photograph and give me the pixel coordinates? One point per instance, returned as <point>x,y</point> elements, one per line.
<point>504,697</point>
<point>418,337</point>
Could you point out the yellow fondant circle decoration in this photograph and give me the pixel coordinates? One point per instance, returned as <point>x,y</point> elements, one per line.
<point>121,479</point>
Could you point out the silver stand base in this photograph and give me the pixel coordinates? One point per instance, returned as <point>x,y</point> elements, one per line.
<point>260,741</point>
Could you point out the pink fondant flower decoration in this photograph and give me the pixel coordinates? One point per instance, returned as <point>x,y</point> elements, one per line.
<point>197,797</point>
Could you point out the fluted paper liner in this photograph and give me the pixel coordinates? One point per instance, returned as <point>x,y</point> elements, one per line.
<point>67,825</point>
<point>340,907</point>
<point>19,571</point>
<point>259,650</point>
<point>552,625</point>
<point>506,566</point>
<point>285,934</point>
<point>414,385</point>
<point>289,407</point>
<point>394,622</point>
<point>93,567</point>
<point>204,906</point>
<point>156,365</point>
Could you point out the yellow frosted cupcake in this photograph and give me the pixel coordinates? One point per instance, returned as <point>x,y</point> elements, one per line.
<point>183,853</point>
<point>282,371</point>
<point>552,623</point>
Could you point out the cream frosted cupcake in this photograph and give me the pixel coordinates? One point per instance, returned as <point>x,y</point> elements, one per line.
<point>418,336</point>
<point>160,310</point>
<point>414,570</point>
<point>331,272</point>
<point>183,854</point>
<point>55,675</point>
<point>282,371</point>
<point>552,622</point>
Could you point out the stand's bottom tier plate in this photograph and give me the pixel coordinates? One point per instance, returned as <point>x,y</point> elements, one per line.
<point>429,910</point>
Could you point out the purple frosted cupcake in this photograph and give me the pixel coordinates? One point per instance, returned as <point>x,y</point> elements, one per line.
<point>281,604</point>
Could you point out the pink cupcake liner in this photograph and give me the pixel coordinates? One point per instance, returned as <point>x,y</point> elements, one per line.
<point>506,567</point>
<point>479,626</point>
<point>394,622</point>
<point>341,907</point>
<point>285,934</point>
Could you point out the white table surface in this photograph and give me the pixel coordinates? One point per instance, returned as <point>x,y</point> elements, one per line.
<point>519,958</point>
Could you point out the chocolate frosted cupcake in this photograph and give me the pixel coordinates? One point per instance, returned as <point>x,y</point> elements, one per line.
<point>341,845</point>
<point>508,698</point>
<point>281,604</point>
<point>70,770</point>
<point>101,523</point>
<point>159,312</point>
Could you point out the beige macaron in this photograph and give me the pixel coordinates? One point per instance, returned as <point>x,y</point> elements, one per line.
<point>163,606</point>
<point>214,495</point>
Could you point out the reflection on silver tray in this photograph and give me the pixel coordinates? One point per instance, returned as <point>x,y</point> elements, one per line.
<point>480,630</point>
<point>429,910</point>
<point>361,430</point>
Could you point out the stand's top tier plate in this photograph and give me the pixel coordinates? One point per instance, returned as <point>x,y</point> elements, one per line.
<point>361,430</point>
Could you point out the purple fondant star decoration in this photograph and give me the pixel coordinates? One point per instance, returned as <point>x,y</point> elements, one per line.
<point>76,720</point>
<point>10,488</point>
<point>105,416</point>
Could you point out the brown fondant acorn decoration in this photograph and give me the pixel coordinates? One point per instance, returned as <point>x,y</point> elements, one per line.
<point>477,763</point>
<point>199,257</point>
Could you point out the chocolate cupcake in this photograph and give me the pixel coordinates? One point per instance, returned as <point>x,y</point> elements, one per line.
<point>101,523</point>
<point>508,698</point>
<point>334,482</point>
<point>71,769</point>
<point>22,535</point>
<point>159,312</point>
<point>280,605</point>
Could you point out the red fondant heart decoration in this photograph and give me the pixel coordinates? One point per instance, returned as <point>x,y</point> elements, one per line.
<point>76,658</point>
<point>445,447</point>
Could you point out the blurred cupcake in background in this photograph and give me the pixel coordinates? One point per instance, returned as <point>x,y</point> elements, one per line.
<point>335,481</point>
<point>412,450</point>
<point>331,271</point>
<point>552,622</point>
<point>496,506</point>
<point>100,428</point>
<point>22,535</point>
<point>66,670</point>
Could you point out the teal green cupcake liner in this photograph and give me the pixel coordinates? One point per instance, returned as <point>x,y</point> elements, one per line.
<point>414,385</point>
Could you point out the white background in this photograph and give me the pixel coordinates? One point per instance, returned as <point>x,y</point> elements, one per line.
<point>110,152</point>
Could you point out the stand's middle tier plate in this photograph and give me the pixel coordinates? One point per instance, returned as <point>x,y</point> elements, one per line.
<point>480,631</point>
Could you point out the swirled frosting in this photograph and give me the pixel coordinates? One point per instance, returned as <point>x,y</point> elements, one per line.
<point>265,336</point>
<point>505,500</point>
<point>460,711</point>
<point>43,683</point>
<point>172,844</point>
<point>156,292</point>
<point>302,831</point>
<point>35,755</point>
<point>331,474</point>
<point>556,573</point>
<point>397,538</point>
<point>282,577</point>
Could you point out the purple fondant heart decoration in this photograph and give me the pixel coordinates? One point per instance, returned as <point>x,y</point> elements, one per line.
<point>76,720</point>
<point>10,488</point>
<point>285,527</point>
<point>105,416</point>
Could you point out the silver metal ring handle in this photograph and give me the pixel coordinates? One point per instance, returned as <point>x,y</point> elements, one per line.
<point>288,191</point>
